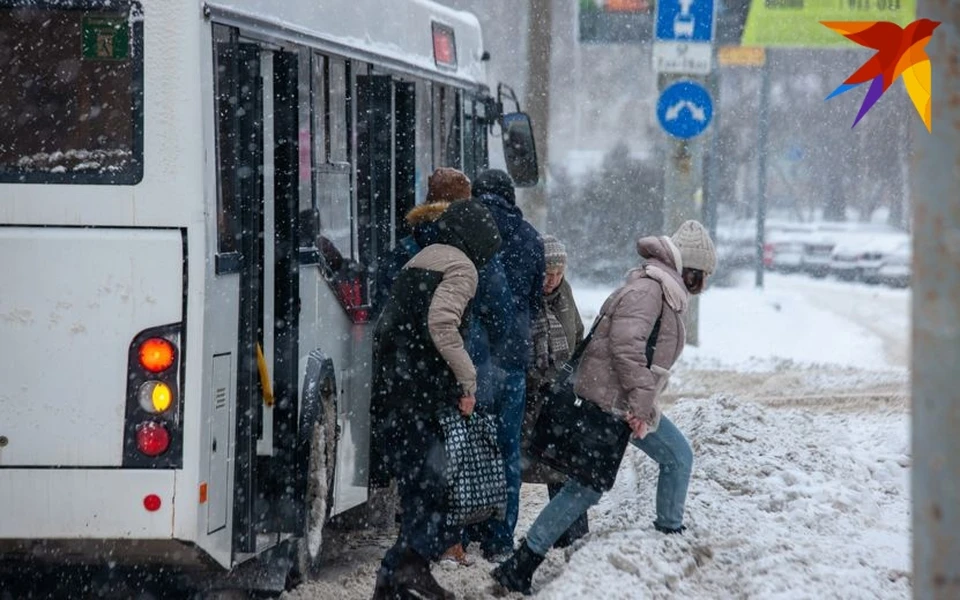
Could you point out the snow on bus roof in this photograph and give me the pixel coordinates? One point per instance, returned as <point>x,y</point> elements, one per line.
<point>399,31</point>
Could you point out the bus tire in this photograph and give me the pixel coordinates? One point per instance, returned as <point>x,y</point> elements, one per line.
<point>318,500</point>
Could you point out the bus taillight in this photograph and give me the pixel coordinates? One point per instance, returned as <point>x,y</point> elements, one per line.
<point>153,439</point>
<point>155,396</point>
<point>156,354</point>
<point>153,419</point>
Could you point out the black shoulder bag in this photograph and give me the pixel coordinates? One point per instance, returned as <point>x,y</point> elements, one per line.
<point>575,436</point>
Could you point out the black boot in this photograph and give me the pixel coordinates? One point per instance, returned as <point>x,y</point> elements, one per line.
<point>413,575</point>
<point>516,573</point>
<point>669,530</point>
<point>385,589</point>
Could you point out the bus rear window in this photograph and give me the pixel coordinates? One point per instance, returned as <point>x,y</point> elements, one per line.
<point>71,92</point>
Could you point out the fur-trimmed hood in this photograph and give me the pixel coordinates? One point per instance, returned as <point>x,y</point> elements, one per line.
<point>426,213</point>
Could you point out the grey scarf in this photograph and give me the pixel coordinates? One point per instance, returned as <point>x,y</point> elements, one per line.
<point>550,345</point>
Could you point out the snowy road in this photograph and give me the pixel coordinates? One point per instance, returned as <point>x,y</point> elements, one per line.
<point>796,406</point>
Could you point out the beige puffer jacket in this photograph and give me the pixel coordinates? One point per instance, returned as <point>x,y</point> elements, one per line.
<point>613,372</point>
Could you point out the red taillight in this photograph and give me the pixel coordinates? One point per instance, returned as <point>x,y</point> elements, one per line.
<point>156,354</point>
<point>153,439</point>
<point>151,502</point>
<point>351,296</point>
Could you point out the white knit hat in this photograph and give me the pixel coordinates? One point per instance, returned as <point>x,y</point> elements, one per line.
<point>696,247</point>
<point>555,254</point>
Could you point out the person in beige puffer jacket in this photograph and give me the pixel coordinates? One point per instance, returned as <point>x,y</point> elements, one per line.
<point>614,374</point>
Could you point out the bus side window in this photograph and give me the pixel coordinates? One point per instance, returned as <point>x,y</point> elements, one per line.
<point>424,137</point>
<point>474,137</point>
<point>453,129</point>
<point>446,127</point>
<point>226,65</point>
<point>332,189</point>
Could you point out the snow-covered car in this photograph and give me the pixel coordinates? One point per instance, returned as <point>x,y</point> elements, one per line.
<point>817,253</point>
<point>845,259</point>
<point>785,247</point>
<point>863,252</point>
<point>875,254</point>
<point>736,243</point>
<point>894,267</point>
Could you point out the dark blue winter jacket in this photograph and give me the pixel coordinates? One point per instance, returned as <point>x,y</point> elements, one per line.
<point>492,308</point>
<point>493,312</point>
<point>521,253</point>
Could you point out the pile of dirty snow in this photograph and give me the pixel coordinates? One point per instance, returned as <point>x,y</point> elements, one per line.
<point>784,503</point>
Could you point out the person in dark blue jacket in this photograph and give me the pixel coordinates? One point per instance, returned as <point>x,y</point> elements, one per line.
<point>522,257</point>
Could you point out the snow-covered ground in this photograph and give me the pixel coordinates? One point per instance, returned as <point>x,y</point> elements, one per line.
<point>796,404</point>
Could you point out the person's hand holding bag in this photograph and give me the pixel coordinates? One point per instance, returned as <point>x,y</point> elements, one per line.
<point>466,405</point>
<point>638,425</point>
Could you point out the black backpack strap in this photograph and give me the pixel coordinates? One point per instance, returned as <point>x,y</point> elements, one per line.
<point>652,340</point>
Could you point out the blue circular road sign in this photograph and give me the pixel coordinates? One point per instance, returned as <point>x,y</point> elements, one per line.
<point>684,109</point>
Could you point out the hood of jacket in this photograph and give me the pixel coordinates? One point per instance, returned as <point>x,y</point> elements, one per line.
<point>508,216</point>
<point>662,249</point>
<point>662,263</point>
<point>426,213</point>
<point>469,226</point>
<point>423,219</point>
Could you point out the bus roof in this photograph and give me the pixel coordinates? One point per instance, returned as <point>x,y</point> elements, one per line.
<point>398,33</point>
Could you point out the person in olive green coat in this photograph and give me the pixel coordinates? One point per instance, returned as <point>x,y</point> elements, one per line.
<point>556,333</point>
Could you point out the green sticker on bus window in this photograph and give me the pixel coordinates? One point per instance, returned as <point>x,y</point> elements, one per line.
<point>106,38</point>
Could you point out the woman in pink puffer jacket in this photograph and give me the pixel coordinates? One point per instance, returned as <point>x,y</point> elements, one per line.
<point>614,374</point>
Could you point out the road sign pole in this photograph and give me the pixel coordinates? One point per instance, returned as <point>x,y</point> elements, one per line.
<point>711,158</point>
<point>682,177</point>
<point>683,50</point>
<point>935,406</point>
<point>762,164</point>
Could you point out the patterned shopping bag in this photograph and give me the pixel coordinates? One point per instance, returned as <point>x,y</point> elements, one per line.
<point>474,471</point>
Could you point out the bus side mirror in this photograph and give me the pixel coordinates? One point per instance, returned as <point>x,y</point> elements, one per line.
<point>519,150</point>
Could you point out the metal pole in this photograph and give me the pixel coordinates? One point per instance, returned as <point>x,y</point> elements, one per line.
<point>538,103</point>
<point>711,158</point>
<point>935,179</point>
<point>762,162</point>
<point>683,175</point>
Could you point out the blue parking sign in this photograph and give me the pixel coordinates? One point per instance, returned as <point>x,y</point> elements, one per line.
<point>684,21</point>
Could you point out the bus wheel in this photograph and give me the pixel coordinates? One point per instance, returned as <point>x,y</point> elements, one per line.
<point>320,472</point>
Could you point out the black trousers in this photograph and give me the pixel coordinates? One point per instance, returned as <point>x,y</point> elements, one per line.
<point>418,467</point>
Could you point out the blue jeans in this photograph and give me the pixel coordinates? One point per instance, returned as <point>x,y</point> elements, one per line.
<point>667,446</point>
<point>507,403</point>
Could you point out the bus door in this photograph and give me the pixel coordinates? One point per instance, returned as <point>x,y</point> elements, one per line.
<point>386,162</point>
<point>259,94</point>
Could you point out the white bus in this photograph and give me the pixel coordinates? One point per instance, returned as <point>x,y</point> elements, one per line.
<point>194,200</point>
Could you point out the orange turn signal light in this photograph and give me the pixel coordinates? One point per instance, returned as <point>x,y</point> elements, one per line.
<point>156,354</point>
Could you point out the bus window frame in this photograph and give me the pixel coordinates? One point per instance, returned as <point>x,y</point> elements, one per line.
<point>323,123</point>
<point>227,257</point>
<point>133,174</point>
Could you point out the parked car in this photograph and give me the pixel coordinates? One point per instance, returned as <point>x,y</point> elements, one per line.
<point>736,243</point>
<point>862,253</point>
<point>785,247</point>
<point>894,267</point>
<point>817,253</point>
